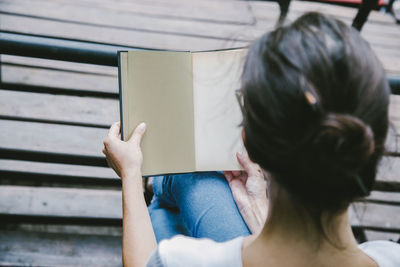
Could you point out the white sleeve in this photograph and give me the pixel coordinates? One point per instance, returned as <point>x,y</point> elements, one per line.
<point>197,252</point>
<point>384,253</point>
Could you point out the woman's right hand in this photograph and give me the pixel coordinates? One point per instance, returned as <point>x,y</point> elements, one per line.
<point>125,157</point>
<point>249,192</point>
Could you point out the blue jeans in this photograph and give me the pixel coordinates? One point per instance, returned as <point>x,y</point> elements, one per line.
<point>197,205</point>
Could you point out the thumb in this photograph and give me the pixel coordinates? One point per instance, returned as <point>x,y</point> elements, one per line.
<point>138,134</point>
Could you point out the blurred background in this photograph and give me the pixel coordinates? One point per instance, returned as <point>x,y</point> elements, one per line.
<point>59,203</point>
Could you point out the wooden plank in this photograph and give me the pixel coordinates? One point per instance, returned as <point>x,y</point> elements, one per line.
<point>390,197</point>
<point>389,169</point>
<point>96,15</point>
<point>112,36</point>
<point>59,65</point>
<point>51,249</point>
<point>377,215</point>
<point>62,202</point>
<point>237,12</point>
<point>66,229</point>
<point>375,235</point>
<point>58,79</point>
<point>52,138</point>
<point>29,178</point>
<point>54,168</point>
<point>58,107</point>
<point>394,110</point>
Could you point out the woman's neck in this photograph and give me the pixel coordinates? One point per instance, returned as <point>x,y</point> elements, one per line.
<point>290,237</point>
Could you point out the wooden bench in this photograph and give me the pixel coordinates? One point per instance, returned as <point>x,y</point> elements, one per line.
<point>58,201</point>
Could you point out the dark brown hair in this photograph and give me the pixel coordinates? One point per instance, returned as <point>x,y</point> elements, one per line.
<point>315,101</point>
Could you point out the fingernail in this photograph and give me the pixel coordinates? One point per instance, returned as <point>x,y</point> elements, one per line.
<point>240,154</point>
<point>142,125</point>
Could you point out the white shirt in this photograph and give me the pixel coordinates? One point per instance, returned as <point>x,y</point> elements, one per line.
<point>186,251</point>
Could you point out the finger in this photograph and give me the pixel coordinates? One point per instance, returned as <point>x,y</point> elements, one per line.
<point>138,133</point>
<point>228,176</point>
<point>246,163</point>
<point>242,159</point>
<point>115,130</point>
<point>239,193</point>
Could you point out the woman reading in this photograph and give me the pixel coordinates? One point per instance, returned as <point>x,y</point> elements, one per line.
<point>315,118</point>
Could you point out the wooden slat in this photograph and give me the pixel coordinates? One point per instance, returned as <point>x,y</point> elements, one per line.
<point>53,249</point>
<point>97,15</point>
<point>111,36</point>
<point>389,169</point>
<point>394,110</point>
<point>59,65</point>
<point>58,79</point>
<point>59,108</point>
<point>53,168</point>
<point>52,138</point>
<point>233,12</point>
<point>29,173</point>
<point>375,235</point>
<point>66,229</point>
<point>390,197</point>
<point>60,202</point>
<point>29,178</point>
<point>377,215</point>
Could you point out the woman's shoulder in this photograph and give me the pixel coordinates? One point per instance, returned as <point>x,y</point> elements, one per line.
<point>188,251</point>
<point>385,253</point>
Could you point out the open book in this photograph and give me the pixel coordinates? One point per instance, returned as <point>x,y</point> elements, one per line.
<point>188,102</point>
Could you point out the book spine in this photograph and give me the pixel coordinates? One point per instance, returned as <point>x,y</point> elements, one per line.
<point>120,94</point>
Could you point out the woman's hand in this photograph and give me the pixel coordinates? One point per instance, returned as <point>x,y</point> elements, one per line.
<point>249,192</point>
<point>124,157</point>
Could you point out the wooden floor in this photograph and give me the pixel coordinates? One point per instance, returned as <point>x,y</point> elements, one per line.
<point>88,199</point>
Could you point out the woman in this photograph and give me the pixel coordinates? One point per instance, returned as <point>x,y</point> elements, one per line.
<point>315,118</point>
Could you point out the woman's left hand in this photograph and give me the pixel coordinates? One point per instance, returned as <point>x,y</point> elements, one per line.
<point>124,157</point>
<point>249,192</point>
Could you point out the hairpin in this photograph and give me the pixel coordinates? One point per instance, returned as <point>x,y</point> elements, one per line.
<point>311,99</point>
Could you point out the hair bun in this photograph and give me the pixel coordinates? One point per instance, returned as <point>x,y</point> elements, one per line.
<point>343,144</point>
<point>346,136</point>
<point>334,156</point>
